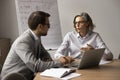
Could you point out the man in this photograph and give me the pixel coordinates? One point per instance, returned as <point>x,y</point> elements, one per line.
<point>27,55</point>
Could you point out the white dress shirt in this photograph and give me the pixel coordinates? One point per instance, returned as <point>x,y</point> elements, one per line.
<point>72,43</point>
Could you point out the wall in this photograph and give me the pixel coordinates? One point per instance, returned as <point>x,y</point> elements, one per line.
<point>105,15</point>
<point>8,20</point>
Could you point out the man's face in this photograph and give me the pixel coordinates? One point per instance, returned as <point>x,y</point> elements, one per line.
<point>45,27</point>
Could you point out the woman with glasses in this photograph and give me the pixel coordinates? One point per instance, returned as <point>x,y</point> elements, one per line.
<point>83,38</point>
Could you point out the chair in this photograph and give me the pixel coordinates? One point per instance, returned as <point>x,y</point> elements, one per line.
<point>0,68</point>
<point>14,76</point>
<point>119,56</point>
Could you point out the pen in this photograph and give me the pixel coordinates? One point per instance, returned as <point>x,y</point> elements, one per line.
<point>68,72</point>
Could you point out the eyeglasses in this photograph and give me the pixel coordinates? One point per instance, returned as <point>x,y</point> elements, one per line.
<point>80,22</point>
<point>47,24</point>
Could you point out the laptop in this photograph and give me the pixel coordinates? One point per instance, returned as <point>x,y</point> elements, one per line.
<point>90,58</point>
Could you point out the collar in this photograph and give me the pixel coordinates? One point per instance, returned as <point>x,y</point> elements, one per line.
<point>35,37</point>
<point>87,35</point>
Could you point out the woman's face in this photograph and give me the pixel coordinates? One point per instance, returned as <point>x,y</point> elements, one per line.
<point>81,25</point>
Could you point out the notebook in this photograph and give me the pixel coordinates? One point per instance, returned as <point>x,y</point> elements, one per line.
<point>60,73</point>
<point>90,58</point>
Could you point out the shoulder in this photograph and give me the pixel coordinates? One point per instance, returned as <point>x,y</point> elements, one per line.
<point>68,35</point>
<point>26,37</point>
<point>95,33</point>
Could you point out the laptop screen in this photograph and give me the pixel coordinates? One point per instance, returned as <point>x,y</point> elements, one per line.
<point>91,58</point>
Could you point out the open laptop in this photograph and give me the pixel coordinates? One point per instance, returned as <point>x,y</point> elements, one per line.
<point>90,58</point>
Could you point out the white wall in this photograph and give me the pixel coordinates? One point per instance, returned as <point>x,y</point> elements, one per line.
<point>105,15</point>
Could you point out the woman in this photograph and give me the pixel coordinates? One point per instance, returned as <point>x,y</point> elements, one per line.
<point>82,39</point>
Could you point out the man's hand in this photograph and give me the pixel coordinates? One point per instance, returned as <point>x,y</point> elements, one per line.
<point>66,60</point>
<point>69,59</point>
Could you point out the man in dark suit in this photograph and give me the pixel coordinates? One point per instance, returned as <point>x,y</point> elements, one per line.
<point>27,55</point>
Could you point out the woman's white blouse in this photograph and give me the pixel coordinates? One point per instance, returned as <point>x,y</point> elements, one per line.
<point>72,43</point>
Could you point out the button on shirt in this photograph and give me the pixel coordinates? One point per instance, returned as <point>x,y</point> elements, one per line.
<point>72,43</point>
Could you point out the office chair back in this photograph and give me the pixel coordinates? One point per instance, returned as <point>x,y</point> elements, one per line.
<point>0,68</point>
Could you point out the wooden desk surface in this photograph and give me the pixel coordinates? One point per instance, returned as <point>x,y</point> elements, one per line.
<point>110,71</point>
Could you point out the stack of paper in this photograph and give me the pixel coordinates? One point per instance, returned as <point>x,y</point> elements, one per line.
<point>104,62</point>
<point>59,72</point>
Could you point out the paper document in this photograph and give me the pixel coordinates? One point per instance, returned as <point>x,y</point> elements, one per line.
<point>104,62</point>
<point>59,72</point>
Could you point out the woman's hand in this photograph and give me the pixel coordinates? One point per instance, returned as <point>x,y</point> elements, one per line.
<point>89,47</point>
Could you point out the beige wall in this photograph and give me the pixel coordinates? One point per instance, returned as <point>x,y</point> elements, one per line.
<point>105,15</point>
<point>8,19</point>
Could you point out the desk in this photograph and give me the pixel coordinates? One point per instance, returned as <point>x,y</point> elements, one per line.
<point>110,71</point>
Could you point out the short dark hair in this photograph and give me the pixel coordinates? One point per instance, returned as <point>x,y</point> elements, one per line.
<point>87,18</point>
<point>37,17</point>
